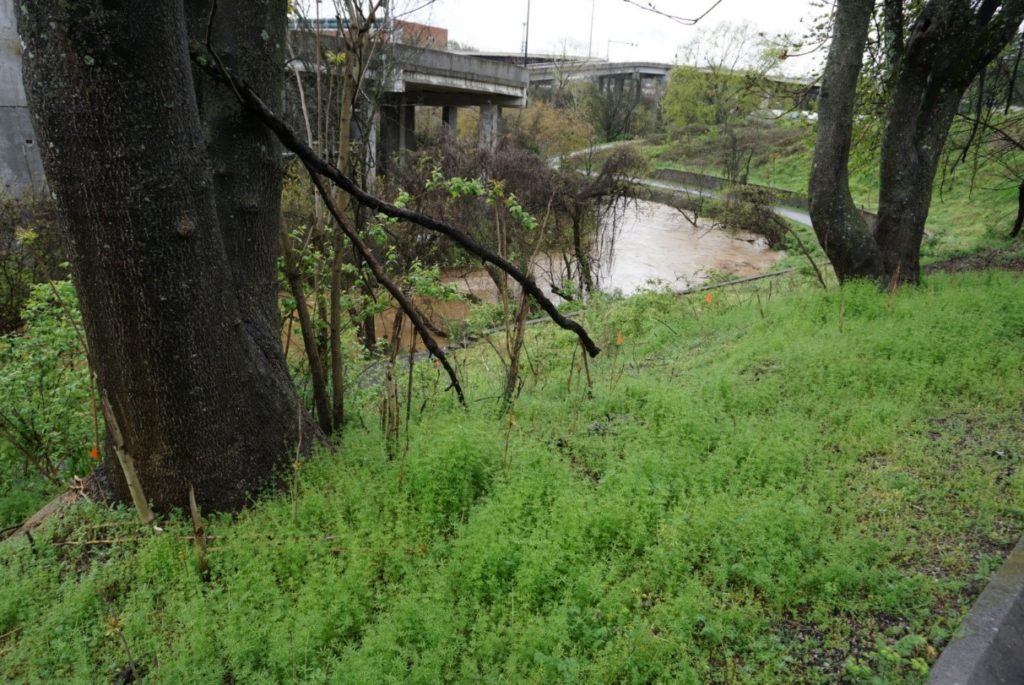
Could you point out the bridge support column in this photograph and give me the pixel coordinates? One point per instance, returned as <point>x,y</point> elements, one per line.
<point>489,118</point>
<point>390,137</point>
<point>407,117</point>
<point>449,121</point>
<point>397,133</point>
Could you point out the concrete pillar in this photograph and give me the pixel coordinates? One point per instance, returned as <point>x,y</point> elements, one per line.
<point>407,118</point>
<point>390,136</point>
<point>397,133</point>
<point>449,122</point>
<point>489,118</point>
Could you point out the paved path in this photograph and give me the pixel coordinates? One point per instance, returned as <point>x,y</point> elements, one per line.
<point>799,216</point>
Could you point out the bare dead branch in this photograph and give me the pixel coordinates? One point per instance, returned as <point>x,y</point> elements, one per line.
<point>318,165</point>
<point>378,272</point>
<point>650,7</point>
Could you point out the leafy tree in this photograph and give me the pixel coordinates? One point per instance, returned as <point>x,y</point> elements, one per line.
<point>932,52</point>
<point>723,81</point>
<point>696,97</point>
<point>722,77</point>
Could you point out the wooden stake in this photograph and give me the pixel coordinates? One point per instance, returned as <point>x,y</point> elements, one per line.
<point>200,535</point>
<point>127,464</point>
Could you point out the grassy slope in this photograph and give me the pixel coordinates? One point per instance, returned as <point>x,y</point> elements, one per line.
<point>963,216</point>
<point>780,485</point>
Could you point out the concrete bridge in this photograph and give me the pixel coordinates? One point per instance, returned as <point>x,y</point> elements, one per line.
<point>414,77</point>
<point>649,78</point>
<point>436,78</point>
<point>410,77</point>
<point>646,77</point>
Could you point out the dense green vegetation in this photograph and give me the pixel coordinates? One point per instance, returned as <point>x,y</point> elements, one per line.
<point>46,427</point>
<point>771,484</point>
<point>971,209</point>
<point>766,484</point>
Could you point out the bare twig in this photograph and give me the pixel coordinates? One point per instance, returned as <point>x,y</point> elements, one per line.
<point>318,165</point>
<point>378,272</point>
<point>803,249</point>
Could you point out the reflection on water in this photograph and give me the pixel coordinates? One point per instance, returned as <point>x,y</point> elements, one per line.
<point>654,246</point>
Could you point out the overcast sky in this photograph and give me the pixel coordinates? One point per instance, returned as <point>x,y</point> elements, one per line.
<point>557,26</point>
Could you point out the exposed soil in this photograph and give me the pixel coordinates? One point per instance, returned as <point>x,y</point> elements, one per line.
<point>1008,260</point>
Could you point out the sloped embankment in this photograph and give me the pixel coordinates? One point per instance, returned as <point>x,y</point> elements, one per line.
<point>770,485</point>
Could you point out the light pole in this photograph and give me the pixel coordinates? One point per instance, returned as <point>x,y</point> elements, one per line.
<point>608,48</point>
<point>526,38</point>
<point>590,45</point>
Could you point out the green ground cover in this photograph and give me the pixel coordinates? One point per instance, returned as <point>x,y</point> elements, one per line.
<point>968,211</point>
<point>779,485</point>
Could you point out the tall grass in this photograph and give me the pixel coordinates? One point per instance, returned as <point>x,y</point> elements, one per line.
<point>778,485</point>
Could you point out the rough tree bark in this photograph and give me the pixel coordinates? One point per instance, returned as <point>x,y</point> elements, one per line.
<point>171,237</point>
<point>840,228</point>
<point>944,50</point>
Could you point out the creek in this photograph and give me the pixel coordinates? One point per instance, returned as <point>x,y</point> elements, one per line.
<point>653,245</point>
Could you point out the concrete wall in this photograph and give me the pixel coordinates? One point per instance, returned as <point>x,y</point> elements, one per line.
<point>20,165</point>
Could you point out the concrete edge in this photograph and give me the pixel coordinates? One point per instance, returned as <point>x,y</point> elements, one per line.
<point>988,648</point>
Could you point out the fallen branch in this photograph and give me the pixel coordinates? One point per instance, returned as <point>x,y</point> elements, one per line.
<point>737,281</point>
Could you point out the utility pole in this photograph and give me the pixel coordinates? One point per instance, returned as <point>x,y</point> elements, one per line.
<point>590,45</point>
<point>526,39</point>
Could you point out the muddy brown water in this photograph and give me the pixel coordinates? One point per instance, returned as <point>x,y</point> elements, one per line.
<point>654,246</point>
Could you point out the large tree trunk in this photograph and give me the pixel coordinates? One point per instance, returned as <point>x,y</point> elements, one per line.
<point>173,261</point>
<point>949,44</point>
<point>840,227</point>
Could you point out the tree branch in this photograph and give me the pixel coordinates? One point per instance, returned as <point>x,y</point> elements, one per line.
<point>378,272</point>
<point>318,165</point>
<point>650,7</point>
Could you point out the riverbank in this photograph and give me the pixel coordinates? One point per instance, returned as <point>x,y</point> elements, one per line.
<point>775,484</point>
<point>647,245</point>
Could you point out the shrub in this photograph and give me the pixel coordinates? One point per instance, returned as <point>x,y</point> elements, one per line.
<point>30,253</point>
<point>46,428</point>
<point>749,208</point>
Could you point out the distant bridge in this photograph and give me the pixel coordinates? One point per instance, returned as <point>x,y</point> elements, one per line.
<point>547,72</point>
<point>422,77</point>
